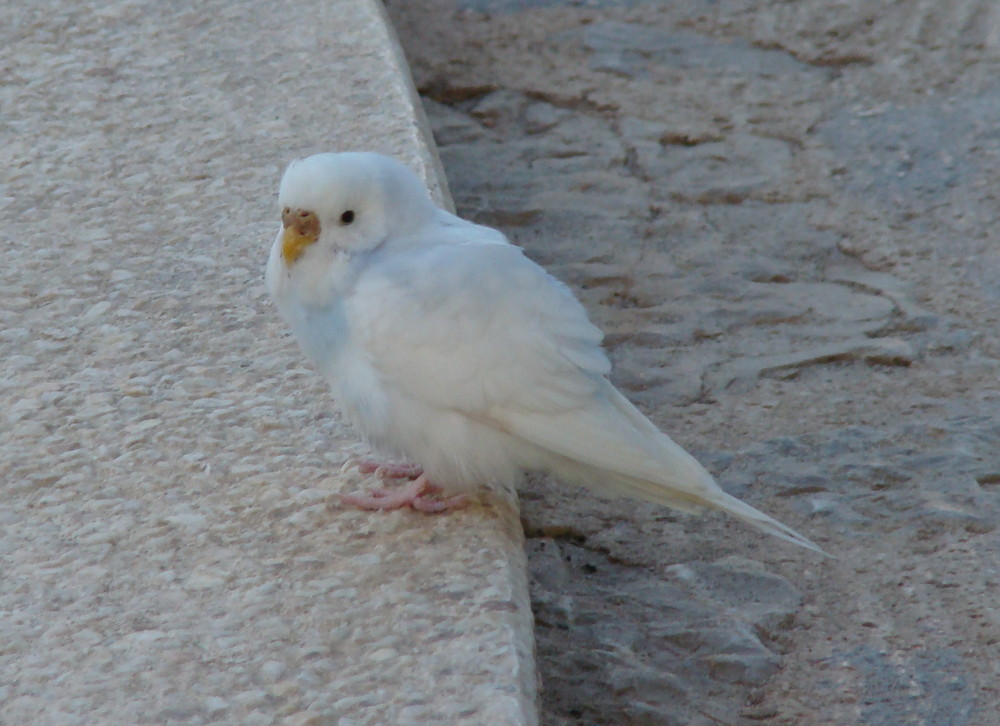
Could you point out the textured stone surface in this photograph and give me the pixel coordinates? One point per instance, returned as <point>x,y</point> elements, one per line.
<point>784,216</point>
<point>171,544</point>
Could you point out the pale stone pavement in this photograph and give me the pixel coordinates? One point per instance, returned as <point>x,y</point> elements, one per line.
<point>172,549</point>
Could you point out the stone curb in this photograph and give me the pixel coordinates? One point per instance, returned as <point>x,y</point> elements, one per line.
<point>171,540</point>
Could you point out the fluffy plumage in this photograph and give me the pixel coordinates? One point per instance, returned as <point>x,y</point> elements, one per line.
<point>444,344</point>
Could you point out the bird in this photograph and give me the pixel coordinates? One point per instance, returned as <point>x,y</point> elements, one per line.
<point>446,347</point>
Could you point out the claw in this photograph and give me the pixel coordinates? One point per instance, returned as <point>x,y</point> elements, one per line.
<point>353,462</point>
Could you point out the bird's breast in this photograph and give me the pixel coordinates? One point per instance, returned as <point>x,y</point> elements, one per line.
<point>322,332</point>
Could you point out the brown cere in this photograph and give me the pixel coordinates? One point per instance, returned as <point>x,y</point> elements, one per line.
<point>304,222</point>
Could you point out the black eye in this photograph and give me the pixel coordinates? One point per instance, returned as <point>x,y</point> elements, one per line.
<point>347,217</point>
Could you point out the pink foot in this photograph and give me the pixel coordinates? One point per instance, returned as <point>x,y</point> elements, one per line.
<point>418,495</point>
<point>382,471</point>
<point>389,471</point>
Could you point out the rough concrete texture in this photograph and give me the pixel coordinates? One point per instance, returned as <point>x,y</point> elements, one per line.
<point>171,544</point>
<point>784,216</point>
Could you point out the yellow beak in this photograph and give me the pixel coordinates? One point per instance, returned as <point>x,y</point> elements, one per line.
<point>294,243</point>
<point>301,230</point>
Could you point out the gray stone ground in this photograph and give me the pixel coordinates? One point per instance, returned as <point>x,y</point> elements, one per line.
<point>784,216</point>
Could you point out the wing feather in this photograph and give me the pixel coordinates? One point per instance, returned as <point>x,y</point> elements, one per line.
<point>478,326</point>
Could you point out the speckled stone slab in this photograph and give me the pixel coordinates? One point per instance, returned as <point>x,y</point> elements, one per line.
<point>172,549</point>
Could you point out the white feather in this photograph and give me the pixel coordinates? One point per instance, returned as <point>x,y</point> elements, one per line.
<point>446,345</point>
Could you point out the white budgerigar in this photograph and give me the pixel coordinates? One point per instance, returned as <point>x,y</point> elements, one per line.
<point>445,345</point>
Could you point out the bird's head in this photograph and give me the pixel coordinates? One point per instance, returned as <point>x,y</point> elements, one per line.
<point>348,203</point>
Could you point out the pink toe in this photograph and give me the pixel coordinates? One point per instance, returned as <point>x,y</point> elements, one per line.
<point>389,471</point>
<point>429,505</point>
<point>418,494</point>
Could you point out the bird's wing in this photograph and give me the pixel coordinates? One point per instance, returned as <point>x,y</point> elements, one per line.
<point>477,327</point>
<point>482,330</point>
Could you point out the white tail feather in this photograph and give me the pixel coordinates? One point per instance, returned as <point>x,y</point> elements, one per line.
<point>611,446</point>
<point>659,494</point>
